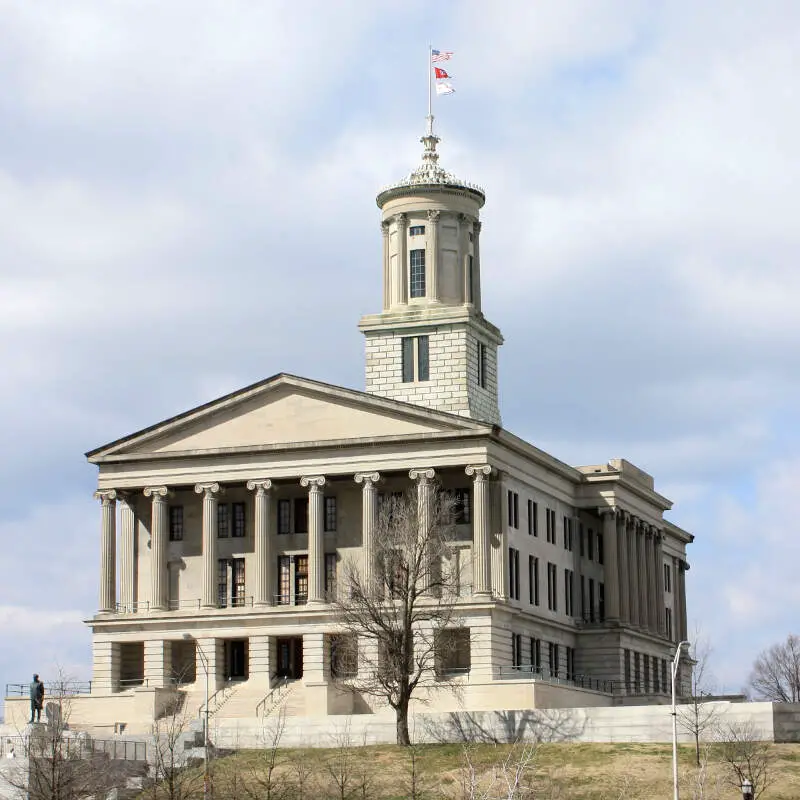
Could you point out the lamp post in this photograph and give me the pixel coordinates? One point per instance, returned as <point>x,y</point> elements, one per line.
<point>747,789</point>
<point>675,664</point>
<point>204,662</point>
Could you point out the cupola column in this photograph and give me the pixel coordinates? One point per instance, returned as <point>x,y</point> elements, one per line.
<point>400,276</point>
<point>387,276</point>
<point>476,264</point>
<point>432,262</point>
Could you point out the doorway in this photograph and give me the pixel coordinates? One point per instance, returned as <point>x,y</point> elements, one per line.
<point>289,657</point>
<point>236,660</point>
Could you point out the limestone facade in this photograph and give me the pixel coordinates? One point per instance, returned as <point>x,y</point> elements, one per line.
<point>223,530</point>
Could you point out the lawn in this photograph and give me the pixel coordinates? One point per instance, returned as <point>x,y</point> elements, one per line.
<point>592,771</point>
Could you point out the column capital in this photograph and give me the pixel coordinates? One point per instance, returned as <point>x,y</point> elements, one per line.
<point>479,471</point>
<point>401,220</point>
<point>433,215</point>
<point>367,478</point>
<point>156,491</point>
<point>609,511</point>
<point>106,496</point>
<point>260,485</point>
<point>385,224</point>
<point>208,488</point>
<point>477,225</point>
<point>422,474</point>
<point>313,482</point>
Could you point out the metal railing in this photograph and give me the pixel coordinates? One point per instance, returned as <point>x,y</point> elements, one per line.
<point>236,602</point>
<point>78,747</point>
<point>177,605</point>
<point>268,702</point>
<point>544,674</point>
<point>133,608</point>
<point>66,689</point>
<point>289,600</point>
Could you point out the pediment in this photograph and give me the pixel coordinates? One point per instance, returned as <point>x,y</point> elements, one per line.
<point>285,411</point>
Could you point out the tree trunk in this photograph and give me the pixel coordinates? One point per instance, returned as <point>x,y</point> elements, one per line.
<point>402,724</point>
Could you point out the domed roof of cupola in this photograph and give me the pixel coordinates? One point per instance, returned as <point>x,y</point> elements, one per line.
<point>429,174</point>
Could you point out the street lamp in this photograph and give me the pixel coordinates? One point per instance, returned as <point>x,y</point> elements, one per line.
<point>204,661</point>
<point>747,789</point>
<point>675,664</point>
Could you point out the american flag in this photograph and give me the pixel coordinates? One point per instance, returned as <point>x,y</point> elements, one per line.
<point>440,55</point>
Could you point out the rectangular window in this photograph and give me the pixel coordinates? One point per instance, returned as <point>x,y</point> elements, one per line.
<point>554,658</point>
<point>222,583</point>
<point>513,509</point>
<point>646,672</point>
<point>570,652</point>
<point>627,671</point>
<point>536,653</point>
<point>664,675</point>
<point>591,600</point>
<point>568,576</point>
<point>330,514</point>
<point>301,515</point>
<point>533,518</point>
<point>667,578</point>
<point>417,273</point>
<point>516,649</point>
<point>637,673</point>
<point>533,578</point>
<point>470,278</point>
<point>416,230</point>
<point>568,533</point>
<point>239,528</point>
<point>415,359</point>
<point>513,573</point>
<point>462,507</point>
<point>600,556</point>
<point>550,518</point>
<point>601,601</point>
<point>656,687</point>
<point>669,623</point>
<point>284,516</point>
<point>238,588</point>
<point>300,580</point>
<point>583,598</point>
<point>223,521</point>
<point>284,580</point>
<point>482,365</point>
<point>330,576</point>
<point>590,544</point>
<point>176,523</point>
<point>580,539</point>
<point>552,587</point>
<point>408,359</point>
<point>344,655</point>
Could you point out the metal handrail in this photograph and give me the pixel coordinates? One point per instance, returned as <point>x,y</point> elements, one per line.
<point>66,689</point>
<point>117,749</point>
<point>133,608</point>
<point>176,605</point>
<point>261,706</point>
<point>576,680</point>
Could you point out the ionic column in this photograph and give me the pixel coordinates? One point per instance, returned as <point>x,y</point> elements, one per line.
<point>316,540</point>
<point>425,487</point>
<point>401,268</point>
<point>210,492</point>
<point>262,595</point>
<point>682,567</point>
<point>127,552</point>
<point>658,564</point>
<point>640,552</point>
<point>432,264</point>
<point>387,278</point>
<point>609,516</point>
<point>481,553</point>
<point>368,515</point>
<point>624,571</point>
<point>633,570</point>
<point>476,263</point>
<point>159,531</point>
<point>651,592</point>
<point>108,550</point>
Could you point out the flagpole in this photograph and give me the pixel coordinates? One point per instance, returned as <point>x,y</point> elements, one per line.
<point>430,99</point>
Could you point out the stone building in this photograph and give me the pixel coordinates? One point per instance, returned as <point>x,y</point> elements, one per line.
<point>223,527</point>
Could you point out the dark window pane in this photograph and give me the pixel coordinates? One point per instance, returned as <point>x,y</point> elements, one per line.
<point>176,523</point>
<point>222,521</point>
<point>301,515</point>
<point>330,514</point>
<point>416,230</point>
<point>408,359</point>
<point>284,516</point>
<point>238,520</point>
<point>417,273</point>
<point>422,352</point>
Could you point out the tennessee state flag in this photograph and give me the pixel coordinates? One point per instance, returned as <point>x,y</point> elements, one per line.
<point>440,73</point>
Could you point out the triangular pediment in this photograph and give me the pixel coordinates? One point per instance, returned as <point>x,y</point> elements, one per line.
<point>285,410</point>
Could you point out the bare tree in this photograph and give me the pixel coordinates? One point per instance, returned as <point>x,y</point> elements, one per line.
<point>265,783</point>
<point>776,672</point>
<point>697,716</point>
<point>402,603</point>
<point>61,765</point>
<point>746,755</point>
<point>171,779</point>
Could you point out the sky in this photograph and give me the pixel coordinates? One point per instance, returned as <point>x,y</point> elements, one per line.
<point>187,205</point>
